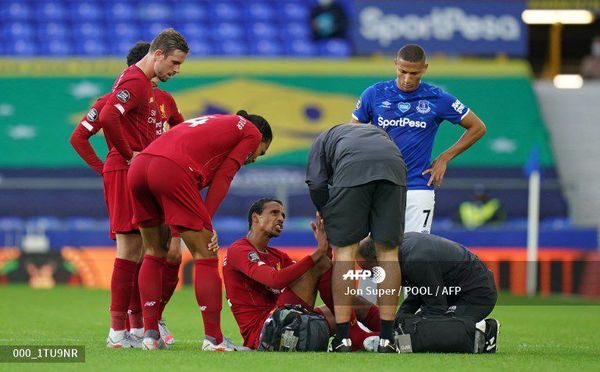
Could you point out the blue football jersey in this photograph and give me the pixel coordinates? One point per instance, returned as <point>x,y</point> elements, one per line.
<point>411,119</point>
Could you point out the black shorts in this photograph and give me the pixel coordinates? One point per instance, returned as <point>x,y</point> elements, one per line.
<point>377,207</point>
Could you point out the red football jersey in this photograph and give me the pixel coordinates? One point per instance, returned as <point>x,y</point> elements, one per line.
<point>132,96</point>
<point>251,302</point>
<point>87,127</point>
<point>167,111</point>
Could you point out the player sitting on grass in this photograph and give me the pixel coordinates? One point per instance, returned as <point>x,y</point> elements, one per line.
<point>442,278</point>
<point>259,279</point>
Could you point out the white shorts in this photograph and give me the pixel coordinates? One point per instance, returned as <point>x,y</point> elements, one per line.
<point>419,210</point>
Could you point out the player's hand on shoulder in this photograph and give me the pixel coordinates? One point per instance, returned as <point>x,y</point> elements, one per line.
<point>213,245</point>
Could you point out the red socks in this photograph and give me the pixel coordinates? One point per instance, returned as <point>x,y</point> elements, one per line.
<point>209,295</point>
<point>150,283</point>
<point>169,283</point>
<point>121,286</point>
<point>135,304</point>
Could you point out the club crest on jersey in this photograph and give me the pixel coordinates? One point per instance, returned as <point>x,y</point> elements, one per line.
<point>423,107</point>
<point>92,115</point>
<point>123,96</point>
<point>253,257</point>
<point>386,104</point>
<point>404,106</point>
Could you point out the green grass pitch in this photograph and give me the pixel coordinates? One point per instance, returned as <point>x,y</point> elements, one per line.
<point>539,334</point>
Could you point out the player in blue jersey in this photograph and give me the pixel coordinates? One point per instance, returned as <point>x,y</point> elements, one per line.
<point>411,111</point>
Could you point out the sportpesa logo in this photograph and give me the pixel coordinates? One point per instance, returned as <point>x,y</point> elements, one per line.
<point>402,122</point>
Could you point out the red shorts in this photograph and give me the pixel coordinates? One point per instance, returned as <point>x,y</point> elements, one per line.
<point>163,192</point>
<point>118,202</point>
<point>287,296</point>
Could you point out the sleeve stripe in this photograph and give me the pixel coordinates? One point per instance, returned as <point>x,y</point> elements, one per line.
<point>120,108</point>
<point>87,125</point>
<point>465,114</point>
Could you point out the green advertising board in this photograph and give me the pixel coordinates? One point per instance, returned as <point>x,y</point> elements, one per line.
<point>39,107</point>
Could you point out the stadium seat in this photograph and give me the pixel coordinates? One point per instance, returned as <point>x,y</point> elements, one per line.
<point>123,31</point>
<point>193,30</point>
<point>190,11</point>
<point>83,223</point>
<point>263,30</point>
<point>88,30</point>
<point>24,47</point>
<point>225,31</point>
<point>12,223</point>
<point>52,31</point>
<point>266,48</point>
<point>300,48</point>
<point>18,30</point>
<point>85,11</point>
<point>260,11</point>
<point>50,11</point>
<point>15,10</point>
<point>44,222</point>
<point>295,30</point>
<point>91,47</point>
<point>231,48</point>
<point>336,48</point>
<point>120,11</point>
<point>293,11</point>
<point>200,47</point>
<point>151,29</point>
<point>154,11</point>
<point>58,47</point>
<point>225,11</point>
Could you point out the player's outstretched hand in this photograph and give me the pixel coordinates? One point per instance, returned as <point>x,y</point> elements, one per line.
<point>437,172</point>
<point>318,229</point>
<point>213,245</point>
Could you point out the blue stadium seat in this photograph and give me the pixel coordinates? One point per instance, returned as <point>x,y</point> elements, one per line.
<point>120,11</point>
<point>44,222</point>
<point>83,223</point>
<point>18,30</point>
<point>85,11</point>
<point>11,223</point>
<point>190,11</point>
<point>227,31</point>
<point>58,47</point>
<point>225,11</point>
<point>120,47</point>
<point>50,11</point>
<point>123,30</point>
<point>295,30</point>
<point>15,10</point>
<point>336,48</point>
<point>91,47</point>
<point>151,29</point>
<point>154,11</point>
<point>20,47</point>
<point>88,30</point>
<point>266,48</point>
<point>200,47</point>
<point>300,48</point>
<point>52,31</point>
<point>263,30</point>
<point>260,11</point>
<point>231,48</point>
<point>293,11</point>
<point>193,30</point>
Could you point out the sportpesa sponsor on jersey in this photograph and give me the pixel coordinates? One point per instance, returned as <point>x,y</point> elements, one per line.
<point>402,122</point>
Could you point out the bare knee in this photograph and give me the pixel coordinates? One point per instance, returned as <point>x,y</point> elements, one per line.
<point>174,253</point>
<point>129,247</point>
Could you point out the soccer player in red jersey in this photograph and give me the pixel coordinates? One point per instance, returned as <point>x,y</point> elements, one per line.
<point>165,180</point>
<point>130,123</point>
<point>259,278</point>
<point>169,115</point>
